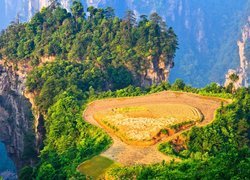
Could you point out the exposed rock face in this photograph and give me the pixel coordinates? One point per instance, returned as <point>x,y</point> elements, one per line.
<point>16,121</point>
<point>21,124</point>
<point>157,71</point>
<point>244,70</point>
<point>244,58</point>
<point>237,84</point>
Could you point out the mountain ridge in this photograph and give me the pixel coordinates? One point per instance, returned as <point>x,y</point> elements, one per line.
<point>208,31</point>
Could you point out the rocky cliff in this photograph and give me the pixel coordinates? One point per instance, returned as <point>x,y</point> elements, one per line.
<point>15,116</point>
<point>20,131</point>
<point>243,71</point>
<point>158,70</point>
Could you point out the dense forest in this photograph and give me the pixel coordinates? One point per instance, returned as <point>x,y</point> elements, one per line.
<point>107,45</point>
<point>97,56</point>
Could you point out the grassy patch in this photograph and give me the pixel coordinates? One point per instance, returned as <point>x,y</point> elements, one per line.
<point>96,167</point>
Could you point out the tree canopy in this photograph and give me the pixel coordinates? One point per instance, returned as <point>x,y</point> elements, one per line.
<point>100,40</point>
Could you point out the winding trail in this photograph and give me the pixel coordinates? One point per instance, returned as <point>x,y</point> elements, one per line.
<point>130,154</point>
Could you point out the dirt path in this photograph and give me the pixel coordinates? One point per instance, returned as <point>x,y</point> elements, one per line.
<point>129,154</point>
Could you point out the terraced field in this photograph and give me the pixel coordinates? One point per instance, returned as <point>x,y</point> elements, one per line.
<point>140,119</point>
<point>146,124</point>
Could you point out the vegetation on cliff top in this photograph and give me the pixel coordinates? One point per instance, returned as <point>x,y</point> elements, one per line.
<point>116,49</point>
<point>62,92</point>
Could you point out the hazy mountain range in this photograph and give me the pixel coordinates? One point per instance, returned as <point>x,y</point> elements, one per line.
<point>208,31</point>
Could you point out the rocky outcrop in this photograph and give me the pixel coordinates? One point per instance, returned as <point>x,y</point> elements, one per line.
<point>244,61</point>
<point>21,124</point>
<point>157,71</point>
<point>236,84</point>
<point>243,71</point>
<point>16,121</point>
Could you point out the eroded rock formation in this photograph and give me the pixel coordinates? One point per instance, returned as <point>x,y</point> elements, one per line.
<point>21,124</point>
<point>158,70</point>
<point>16,121</point>
<point>243,71</point>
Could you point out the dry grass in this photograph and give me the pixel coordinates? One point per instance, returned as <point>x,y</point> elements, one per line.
<point>143,123</point>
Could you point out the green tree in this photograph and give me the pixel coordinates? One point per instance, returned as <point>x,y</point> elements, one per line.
<point>234,77</point>
<point>130,18</point>
<point>213,88</point>
<point>92,11</point>
<point>156,19</point>
<point>109,13</point>
<point>26,173</point>
<point>77,9</point>
<point>178,85</point>
<point>46,171</point>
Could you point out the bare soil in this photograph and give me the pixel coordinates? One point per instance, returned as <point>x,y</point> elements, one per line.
<point>131,154</point>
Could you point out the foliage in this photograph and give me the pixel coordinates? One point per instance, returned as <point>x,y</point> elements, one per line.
<point>234,77</point>
<point>166,148</point>
<point>26,173</point>
<point>96,167</point>
<point>218,151</point>
<point>107,45</point>
<point>62,88</point>
<point>229,131</point>
<point>178,85</point>
<point>69,139</point>
<point>231,165</point>
<point>216,90</point>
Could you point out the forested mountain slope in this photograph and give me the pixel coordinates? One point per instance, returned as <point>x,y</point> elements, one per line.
<point>208,31</point>
<point>113,49</point>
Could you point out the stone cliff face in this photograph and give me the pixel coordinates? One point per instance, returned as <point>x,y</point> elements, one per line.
<point>243,53</point>
<point>21,130</point>
<point>243,71</point>
<point>16,121</point>
<point>158,70</point>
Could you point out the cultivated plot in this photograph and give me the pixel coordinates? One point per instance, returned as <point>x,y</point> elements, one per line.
<point>147,124</point>
<point>136,124</point>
